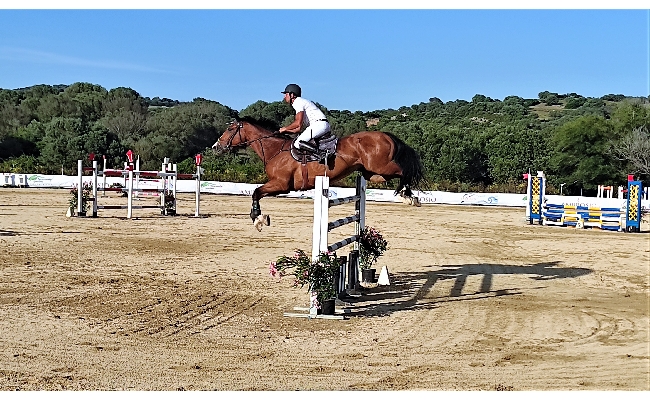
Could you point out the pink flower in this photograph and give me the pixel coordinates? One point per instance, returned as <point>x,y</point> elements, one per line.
<point>273,270</point>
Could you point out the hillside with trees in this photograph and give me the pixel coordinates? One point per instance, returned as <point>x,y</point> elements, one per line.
<point>479,145</point>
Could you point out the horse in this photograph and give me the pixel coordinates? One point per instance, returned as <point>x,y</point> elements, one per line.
<point>376,155</point>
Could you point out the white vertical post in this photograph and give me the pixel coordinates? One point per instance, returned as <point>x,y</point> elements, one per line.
<point>163,178</point>
<point>319,235</point>
<point>95,188</point>
<point>528,194</point>
<point>360,211</point>
<point>137,176</point>
<point>104,175</point>
<point>80,169</point>
<point>129,212</point>
<point>360,208</point>
<point>321,216</point>
<point>174,180</point>
<point>543,189</point>
<point>198,189</point>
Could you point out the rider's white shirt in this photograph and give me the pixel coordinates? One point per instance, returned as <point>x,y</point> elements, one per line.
<point>312,112</point>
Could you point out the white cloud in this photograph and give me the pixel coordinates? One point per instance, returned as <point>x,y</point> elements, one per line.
<point>34,56</point>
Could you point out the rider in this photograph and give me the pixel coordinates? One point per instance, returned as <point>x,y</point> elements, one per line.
<point>309,119</point>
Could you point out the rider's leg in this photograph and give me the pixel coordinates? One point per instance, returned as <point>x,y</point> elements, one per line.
<point>314,131</point>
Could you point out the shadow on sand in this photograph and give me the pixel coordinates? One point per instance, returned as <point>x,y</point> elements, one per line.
<point>407,291</point>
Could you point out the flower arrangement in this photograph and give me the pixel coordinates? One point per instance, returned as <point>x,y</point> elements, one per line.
<point>372,246</point>
<point>86,195</point>
<point>318,276</point>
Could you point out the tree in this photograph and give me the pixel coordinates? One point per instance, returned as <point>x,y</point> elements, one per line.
<point>63,143</point>
<point>580,154</point>
<point>274,113</point>
<point>514,152</point>
<point>628,116</point>
<point>183,131</point>
<point>634,148</point>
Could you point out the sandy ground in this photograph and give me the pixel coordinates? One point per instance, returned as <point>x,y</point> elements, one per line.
<point>479,300</point>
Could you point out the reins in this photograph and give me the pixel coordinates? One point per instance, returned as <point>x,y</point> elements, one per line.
<point>240,125</point>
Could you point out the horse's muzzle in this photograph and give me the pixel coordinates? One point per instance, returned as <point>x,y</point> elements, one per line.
<point>218,148</point>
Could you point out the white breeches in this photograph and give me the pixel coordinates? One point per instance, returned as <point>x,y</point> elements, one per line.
<point>315,130</point>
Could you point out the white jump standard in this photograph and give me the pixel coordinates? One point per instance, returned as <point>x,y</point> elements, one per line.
<point>168,173</point>
<point>322,227</point>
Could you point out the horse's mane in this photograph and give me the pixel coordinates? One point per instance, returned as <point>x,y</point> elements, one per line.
<point>264,123</point>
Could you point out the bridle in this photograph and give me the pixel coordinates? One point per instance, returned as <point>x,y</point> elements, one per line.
<point>237,132</point>
<point>244,143</point>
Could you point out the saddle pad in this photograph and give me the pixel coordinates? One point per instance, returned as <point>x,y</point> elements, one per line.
<point>324,143</point>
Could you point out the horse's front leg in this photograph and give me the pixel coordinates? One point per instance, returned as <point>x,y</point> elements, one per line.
<point>269,188</point>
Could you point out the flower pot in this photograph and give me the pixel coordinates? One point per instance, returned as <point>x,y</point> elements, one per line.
<point>328,307</point>
<point>368,275</point>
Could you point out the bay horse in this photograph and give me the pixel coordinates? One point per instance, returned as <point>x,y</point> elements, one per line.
<point>369,152</point>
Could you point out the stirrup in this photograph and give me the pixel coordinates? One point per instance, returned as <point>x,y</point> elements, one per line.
<point>307,146</point>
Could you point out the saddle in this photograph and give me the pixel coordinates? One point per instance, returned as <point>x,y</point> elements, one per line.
<point>325,144</point>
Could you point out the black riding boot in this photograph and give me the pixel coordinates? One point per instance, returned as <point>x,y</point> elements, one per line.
<point>314,150</point>
<point>308,146</point>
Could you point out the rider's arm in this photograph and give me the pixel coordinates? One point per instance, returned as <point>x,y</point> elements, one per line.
<point>296,125</point>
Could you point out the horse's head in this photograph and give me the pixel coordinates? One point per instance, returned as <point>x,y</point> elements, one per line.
<point>232,137</point>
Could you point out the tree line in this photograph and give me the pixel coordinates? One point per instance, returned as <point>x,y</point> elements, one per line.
<point>479,145</point>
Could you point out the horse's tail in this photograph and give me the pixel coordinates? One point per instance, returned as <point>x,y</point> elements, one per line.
<point>409,161</point>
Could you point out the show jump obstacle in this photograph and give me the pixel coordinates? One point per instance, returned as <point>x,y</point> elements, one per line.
<point>620,219</point>
<point>322,227</point>
<point>168,172</point>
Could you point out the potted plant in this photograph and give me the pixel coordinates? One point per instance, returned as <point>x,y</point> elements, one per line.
<point>319,276</point>
<point>371,246</point>
<point>86,195</point>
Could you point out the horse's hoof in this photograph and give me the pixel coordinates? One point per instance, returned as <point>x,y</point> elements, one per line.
<point>266,219</point>
<point>258,223</point>
<point>416,202</point>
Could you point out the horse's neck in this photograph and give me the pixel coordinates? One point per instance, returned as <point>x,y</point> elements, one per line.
<point>264,144</point>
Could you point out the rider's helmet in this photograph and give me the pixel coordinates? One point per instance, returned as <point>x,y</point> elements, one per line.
<point>293,88</point>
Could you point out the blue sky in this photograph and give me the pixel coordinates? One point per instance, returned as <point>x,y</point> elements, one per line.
<point>346,59</point>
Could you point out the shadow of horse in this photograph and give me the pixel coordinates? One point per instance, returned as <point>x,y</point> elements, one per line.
<point>409,290</point>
